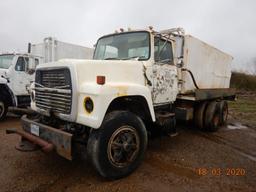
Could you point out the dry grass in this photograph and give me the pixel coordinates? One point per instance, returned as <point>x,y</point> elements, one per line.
<point>244,108</point>
<point>243,81</point>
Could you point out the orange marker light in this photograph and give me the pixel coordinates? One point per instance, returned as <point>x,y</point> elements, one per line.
<point>101,80</point>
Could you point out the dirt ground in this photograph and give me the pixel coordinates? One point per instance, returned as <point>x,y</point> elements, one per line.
<point>191,161</point>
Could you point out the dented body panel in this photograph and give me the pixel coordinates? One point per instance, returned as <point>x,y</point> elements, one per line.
<point>165,84</point>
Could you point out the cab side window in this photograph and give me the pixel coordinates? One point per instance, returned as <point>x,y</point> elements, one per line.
<point>163,51</point>
<point>21,64</point>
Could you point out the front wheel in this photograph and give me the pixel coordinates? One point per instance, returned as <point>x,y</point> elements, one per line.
<point>3,109</point>
<point>117,148</point>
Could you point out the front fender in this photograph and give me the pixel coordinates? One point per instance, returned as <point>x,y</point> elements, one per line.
<point>103,95</point>
<point>7,93</point>
<point>3,80</point>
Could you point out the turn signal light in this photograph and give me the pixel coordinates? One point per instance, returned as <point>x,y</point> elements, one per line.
<point>101,80</point>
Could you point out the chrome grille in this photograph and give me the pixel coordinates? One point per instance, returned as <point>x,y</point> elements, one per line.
<point>54,90</point>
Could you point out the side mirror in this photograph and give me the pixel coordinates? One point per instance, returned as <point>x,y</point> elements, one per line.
<point>31,71</point>
<point>180,62</point>
<point>31,66</point>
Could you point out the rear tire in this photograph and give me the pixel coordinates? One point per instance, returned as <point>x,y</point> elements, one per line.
<point>223,110</point>
<point>117,148</point>
<point>199,115</point>
<point>212,117</point>
<point>3,109</point>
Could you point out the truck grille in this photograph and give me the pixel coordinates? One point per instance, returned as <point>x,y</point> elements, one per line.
<point>54,90</point>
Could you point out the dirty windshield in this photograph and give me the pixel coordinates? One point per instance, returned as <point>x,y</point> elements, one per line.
<point>124,46</point>
<point>5,61</point>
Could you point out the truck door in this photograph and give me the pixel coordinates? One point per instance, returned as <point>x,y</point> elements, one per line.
<point>165,85</point>
<point>21,78</point>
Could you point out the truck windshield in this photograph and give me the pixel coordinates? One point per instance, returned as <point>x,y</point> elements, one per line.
<point>6,61</point>
<point>124,46</point>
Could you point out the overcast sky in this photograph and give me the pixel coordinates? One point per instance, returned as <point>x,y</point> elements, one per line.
<point>229,25</point>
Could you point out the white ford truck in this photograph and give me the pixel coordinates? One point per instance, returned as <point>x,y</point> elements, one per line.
<point>17,70</point>
<point>138,81</point>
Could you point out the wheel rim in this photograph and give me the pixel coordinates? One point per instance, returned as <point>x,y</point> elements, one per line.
<point>216,120</point>
<point>1,109</point>
<point>123,146</point>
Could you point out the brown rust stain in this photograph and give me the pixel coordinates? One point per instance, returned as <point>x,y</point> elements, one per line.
<point>64,152</point>
<point>121,91</point>
<point>164,81</point>
<point>61,140</point>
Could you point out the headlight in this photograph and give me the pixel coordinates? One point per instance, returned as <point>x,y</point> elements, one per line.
<point>88,104</point>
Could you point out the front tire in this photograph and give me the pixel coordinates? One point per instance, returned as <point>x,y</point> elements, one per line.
<point>117,148</point>
<point>3,109</point>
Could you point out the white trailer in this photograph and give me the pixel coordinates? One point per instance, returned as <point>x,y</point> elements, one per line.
<point>17,69</point>
<point>211,67</point>
<point>53,50</point>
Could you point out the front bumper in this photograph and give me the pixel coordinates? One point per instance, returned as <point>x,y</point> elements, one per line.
<point>42,135</point>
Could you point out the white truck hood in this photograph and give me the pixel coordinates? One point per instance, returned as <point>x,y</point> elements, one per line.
<point>117,71</point>
<point>3,73</point>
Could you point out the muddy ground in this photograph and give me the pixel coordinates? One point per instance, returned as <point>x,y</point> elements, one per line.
<point>171,164</point>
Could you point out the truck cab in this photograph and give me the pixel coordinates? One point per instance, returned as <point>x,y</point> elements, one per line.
<point>154,51</point>
<point>17,71</point>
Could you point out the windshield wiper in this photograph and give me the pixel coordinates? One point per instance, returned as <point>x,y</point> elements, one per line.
<point>134,57</point>
<point>165,61</point>
<point>111,58</point>
<point>127,58</point>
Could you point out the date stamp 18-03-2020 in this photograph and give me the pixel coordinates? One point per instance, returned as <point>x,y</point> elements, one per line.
<point>220,171</point>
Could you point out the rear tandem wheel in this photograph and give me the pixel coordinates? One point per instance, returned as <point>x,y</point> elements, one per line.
<point>210,115</point>
<point>199,115</point>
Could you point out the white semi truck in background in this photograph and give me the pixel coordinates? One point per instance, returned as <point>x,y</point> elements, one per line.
<point>17,69</point>
<point>137,82</point>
